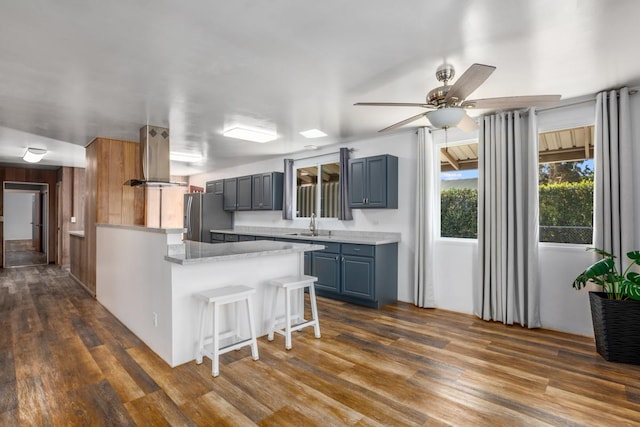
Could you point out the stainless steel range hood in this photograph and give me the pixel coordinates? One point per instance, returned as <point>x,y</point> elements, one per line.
<point>155,158</point>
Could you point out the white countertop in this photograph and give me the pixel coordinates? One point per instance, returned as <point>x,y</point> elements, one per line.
<point>198,252</point>
<point>356,237</point>
<point>145,229</point>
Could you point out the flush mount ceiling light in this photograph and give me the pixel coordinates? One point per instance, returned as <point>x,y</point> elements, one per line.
<point>446,117</point>
<point>34,155</point>
<point>313,133</point>
<point>253,135</point>
<point>185,157</point>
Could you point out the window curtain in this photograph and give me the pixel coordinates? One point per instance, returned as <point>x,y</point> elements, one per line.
<point>423,295</point>
<point>344,209</point>
<point>614,192</point>
<point>287,191</point>
<point>507,290</point>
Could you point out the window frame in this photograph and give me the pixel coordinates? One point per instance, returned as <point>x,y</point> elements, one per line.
<point>437,145</point>
<point>316,161</point>
<point>556,126</point>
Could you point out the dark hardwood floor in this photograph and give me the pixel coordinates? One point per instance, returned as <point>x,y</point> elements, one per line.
<point>64,360</point>
<point>21,252</point>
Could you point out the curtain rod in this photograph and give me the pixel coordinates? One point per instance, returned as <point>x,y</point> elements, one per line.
<point>632,91</point>
<point>323,154</point>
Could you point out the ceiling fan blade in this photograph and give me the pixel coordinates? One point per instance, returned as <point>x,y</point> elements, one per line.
<point>404,122</point>
<point>469,81</point>
<point>512,102</point>
<point>393,104</point>
<point>467,124</point>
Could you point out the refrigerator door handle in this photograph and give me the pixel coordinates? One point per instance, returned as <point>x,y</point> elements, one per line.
<point>189,203</point>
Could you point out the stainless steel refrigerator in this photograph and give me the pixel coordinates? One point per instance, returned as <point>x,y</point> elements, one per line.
<point>203,212</point>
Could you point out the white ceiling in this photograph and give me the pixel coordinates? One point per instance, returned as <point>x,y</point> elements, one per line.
<point>71,70</point>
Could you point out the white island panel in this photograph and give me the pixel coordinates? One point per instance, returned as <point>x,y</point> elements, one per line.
<point>134,283</point>
<point>253,272</point>
<point>148,281</point>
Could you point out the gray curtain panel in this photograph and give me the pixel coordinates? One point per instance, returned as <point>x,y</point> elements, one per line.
<point>426,198</point>
<point>287,191</point>
<point>344,209</point>
<point>507,290</point>
<point>614,226</point>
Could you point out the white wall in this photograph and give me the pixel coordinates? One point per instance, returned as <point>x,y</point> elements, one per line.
<point>17,215</point>
<point>402,145</point>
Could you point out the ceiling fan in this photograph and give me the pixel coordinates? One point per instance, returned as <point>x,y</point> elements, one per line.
<point>448,102</point>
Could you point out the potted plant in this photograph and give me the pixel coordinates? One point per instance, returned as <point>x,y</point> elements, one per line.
<point>615,311</point>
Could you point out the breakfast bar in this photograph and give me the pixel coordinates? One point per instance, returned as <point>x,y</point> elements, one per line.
<point>147,277</point>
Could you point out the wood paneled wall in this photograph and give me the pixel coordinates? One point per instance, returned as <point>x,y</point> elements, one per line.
<point>72,205</point>
<point>109,164</point>
<point>44,176</point>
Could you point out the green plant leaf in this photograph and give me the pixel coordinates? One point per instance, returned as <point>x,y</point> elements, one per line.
<point>631,286</point>
<point>593,273</point>
<point>635,256</point>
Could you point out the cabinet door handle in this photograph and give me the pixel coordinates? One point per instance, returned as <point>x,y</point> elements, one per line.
<point>337,257</point>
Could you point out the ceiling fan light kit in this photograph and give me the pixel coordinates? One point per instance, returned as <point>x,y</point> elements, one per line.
<point>449,101</point>
<point>34,155</point>
<point>446,117</point>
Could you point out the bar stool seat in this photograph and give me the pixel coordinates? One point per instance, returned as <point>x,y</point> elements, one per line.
<point>289,284</point>
<point>213,300</point>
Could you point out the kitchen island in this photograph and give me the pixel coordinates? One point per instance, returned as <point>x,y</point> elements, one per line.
<point>147,277</point>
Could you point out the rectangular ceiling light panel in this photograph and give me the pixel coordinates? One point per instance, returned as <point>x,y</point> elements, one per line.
<point>253,135</point>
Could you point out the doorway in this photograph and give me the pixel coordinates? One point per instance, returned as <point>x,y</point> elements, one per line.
<point>25,224</point>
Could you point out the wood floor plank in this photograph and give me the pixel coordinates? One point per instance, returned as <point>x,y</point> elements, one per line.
<point>7,367</point>
<point>180,383</point>
<point>253,409</point>
<point>31,355</point>
<point>116,374</point>
<point>8,397</point>
<point>212,409</point>
<point>156,409</point>
<point>9,419</point>
<point>141,377</point>
<point>74,363</point>
<point>96,404</point>
<point>65,360</point>
<point>377,407</point>
<point>33,408</point>
<point>287,416</point>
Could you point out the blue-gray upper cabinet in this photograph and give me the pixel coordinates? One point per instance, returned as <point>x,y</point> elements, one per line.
<point>237,193</point>
<point>267,191</point>
<point>373,182</point>
<point>216,187</point>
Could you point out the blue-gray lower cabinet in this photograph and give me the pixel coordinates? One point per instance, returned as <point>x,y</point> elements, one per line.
<point>326,267</point>
<point>358,277</point>
<point>367,274</point>
<point>361,274</point>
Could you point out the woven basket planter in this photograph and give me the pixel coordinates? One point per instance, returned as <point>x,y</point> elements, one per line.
<point>616,326</point>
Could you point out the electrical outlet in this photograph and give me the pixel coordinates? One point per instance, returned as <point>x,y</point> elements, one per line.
<point>73,220</point>
<point>155,319</point>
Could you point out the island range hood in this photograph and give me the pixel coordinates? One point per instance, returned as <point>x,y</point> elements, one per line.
<point>155,158</point>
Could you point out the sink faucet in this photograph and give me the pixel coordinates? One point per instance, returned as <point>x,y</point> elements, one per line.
<point>313,227</point>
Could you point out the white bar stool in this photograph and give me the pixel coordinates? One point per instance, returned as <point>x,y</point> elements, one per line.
<point>289,284</point>
<point>213,300</point>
